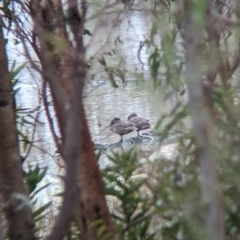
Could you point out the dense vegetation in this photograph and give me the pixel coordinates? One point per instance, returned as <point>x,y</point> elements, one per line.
<point>194,54</point>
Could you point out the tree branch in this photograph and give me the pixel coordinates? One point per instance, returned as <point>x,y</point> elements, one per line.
<point>132,224</point>
<point>202,125</point>
<point>71,154</point>
<point>1,228</point>
<point>223,20</point>
<point>56,139</point>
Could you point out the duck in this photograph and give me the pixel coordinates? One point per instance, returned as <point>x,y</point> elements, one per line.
<point>120,127</point>
<point>139,122</point>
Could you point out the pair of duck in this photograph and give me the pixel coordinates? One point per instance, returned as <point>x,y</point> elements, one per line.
<point>134,123</point>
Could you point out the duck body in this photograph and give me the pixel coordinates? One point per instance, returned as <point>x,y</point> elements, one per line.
<point>138,122</point>
<point>120,127</point>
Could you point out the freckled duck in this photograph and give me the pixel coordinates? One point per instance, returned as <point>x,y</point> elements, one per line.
<point>138,122</point>
<point>120,127</point>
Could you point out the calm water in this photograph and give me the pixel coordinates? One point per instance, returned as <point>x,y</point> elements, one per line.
<point>121,31</point>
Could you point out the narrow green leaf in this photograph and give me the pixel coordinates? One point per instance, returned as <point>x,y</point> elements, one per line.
<point>41,209</point>
<point>15,72</point>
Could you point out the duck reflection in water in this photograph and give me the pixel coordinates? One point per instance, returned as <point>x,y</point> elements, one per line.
<point>121,128</point>
<point>138,122</point>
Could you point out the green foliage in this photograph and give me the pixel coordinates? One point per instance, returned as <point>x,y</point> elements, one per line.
<point>179,202</point>
<point>154,62</point>
<point>87,32</point>
<point>169,121</point>
<point>74,232</point>
<point>13,72</point>
<point>34,176</point>
<point>112,72</point>
<point>167,204</point>
<point>140,203</point>
<point>36,214</point>
<point>132,215</point>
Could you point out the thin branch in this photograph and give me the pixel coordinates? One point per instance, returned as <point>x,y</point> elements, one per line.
<point>141,45</point>
<point>236,63</point>
<point>50,121</point>
<point>223,20</point>
<point>75,20</point>
<point>70,152</point>
<point>211,195</point>
<point>132,224</point>
<point>1,228</point>
<point>32,137</point>
<point>19,33</point>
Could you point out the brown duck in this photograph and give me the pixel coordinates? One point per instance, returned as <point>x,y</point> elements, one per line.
<point>138,122</point>
<point>120,127</point>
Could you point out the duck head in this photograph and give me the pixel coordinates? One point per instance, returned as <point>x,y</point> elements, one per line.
<point>132,116</point>
<point>114,121</point>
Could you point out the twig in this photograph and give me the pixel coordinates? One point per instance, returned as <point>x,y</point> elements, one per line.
<point>224,21</point>
<point>141,45</point>
<point>32,138</point>
<point>50,121</point>
<point>132,224</point>
<point>1,228</point>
